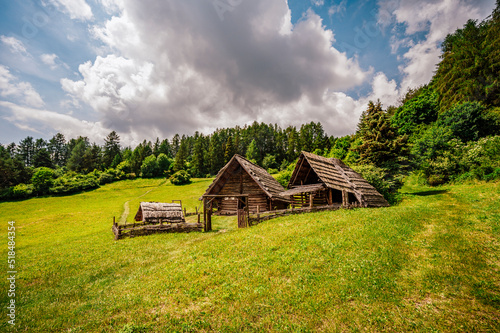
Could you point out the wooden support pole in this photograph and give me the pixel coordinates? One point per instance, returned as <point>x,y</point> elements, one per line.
<point>311,200</point>
<point>345,198</point>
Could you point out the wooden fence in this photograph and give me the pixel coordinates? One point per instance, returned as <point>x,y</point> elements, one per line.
<point>141,229</point>
<point>268,215</point>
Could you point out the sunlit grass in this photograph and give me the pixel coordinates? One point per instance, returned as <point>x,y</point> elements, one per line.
<point>429,264</point>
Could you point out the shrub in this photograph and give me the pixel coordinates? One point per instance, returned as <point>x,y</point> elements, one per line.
<point>180,178</point>
<point>106,178</point>
<point>125,167</point>
<point>22,191</point>
<point>68,184</point>
<point>385,182</point>
<point>42,179</point>
<point>273,171</point>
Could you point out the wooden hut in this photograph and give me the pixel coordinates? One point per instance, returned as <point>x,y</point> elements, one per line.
<point>241,183</point>
<point>157,212</point>
<point>318,180</point>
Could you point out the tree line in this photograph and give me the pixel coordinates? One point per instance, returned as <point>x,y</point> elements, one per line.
<point>446,130</point>
<point>200,155</point>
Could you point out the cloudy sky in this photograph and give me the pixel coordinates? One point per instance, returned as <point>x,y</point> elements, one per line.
<point>154,68</point>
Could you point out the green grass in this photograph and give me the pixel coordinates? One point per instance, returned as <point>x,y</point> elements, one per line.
<point>429,264</point>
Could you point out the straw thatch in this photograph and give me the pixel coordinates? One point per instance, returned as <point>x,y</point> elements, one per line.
<point>156,212</point>
<point>333,174</point>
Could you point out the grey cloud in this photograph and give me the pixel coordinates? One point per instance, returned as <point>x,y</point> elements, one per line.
<point>206,72</point>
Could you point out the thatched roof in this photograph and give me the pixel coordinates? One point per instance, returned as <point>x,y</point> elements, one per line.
<point>158,210</point>
<point>262,178</point>
<point>314,169</point>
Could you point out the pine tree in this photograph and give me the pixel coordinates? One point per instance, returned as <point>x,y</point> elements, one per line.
<point>26,150</point>
<point>252,152</point>
<point>58,149</point>
<point>381,145</point>
<point>165,148</point>
<point>198,166</point>
<point>215,153</point>
<point>229,151</point>
<point>181,156</point>
<point>176,140</point>
<point>111,148</point>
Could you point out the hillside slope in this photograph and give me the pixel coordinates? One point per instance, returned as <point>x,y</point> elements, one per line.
<point>429,264</point>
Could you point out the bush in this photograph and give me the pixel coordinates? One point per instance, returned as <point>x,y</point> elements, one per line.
<point>42,179</point>
<point>125,167</point>
<point>384,182</point>
<point>180,178</point>
<point>106,178</point>
<point>273,171</point>
<point>78,183</point>
<point>22,191</point>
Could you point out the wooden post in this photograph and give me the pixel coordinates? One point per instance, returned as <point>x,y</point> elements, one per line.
<point>345,198</point>
<point>209,217</point>
<point>199,217</point>
<point>205,214</point>
<point>330,198</point>
<point>311,198</point>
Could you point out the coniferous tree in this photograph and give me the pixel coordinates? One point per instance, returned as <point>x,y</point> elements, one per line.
<point>58,149</point>
<point>229,151</point>
<point>215,153</point>
<point>181,156</point>
<point>176,141</point>
<point>198,165</point>
<point>381,144</point>
<point>165,148</point>
<point>42,159</point>
<point>111,148</point>
<point>26,151</point>
<point>252,152</point>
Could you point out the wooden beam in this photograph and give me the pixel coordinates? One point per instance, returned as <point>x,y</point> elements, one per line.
<point>298,170</point>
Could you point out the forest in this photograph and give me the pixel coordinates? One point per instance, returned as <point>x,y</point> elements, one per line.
<point>444,131</point>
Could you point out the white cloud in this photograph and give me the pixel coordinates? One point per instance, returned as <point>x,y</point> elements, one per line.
<point>53,61</point>
<point>14,44</point>
<point>434,18</point>
<point>23,91</point>
<point>44,121</point>
<point>175,67</point>
<point>337,9</point>
<point>318,3</point>
<point>76,9</point>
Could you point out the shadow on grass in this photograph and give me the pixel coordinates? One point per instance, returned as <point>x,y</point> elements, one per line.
<point>427,193</point>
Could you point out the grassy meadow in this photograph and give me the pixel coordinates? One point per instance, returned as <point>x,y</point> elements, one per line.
<point>428,264</point>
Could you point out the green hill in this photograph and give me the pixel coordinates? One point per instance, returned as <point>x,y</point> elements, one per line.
<point>429,264</point>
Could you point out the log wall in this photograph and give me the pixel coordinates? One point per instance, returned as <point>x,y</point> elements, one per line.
<point>241,183</point>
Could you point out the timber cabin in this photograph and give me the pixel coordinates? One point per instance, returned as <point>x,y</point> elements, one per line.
<point>328,181</point>
<point>240,184</point>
